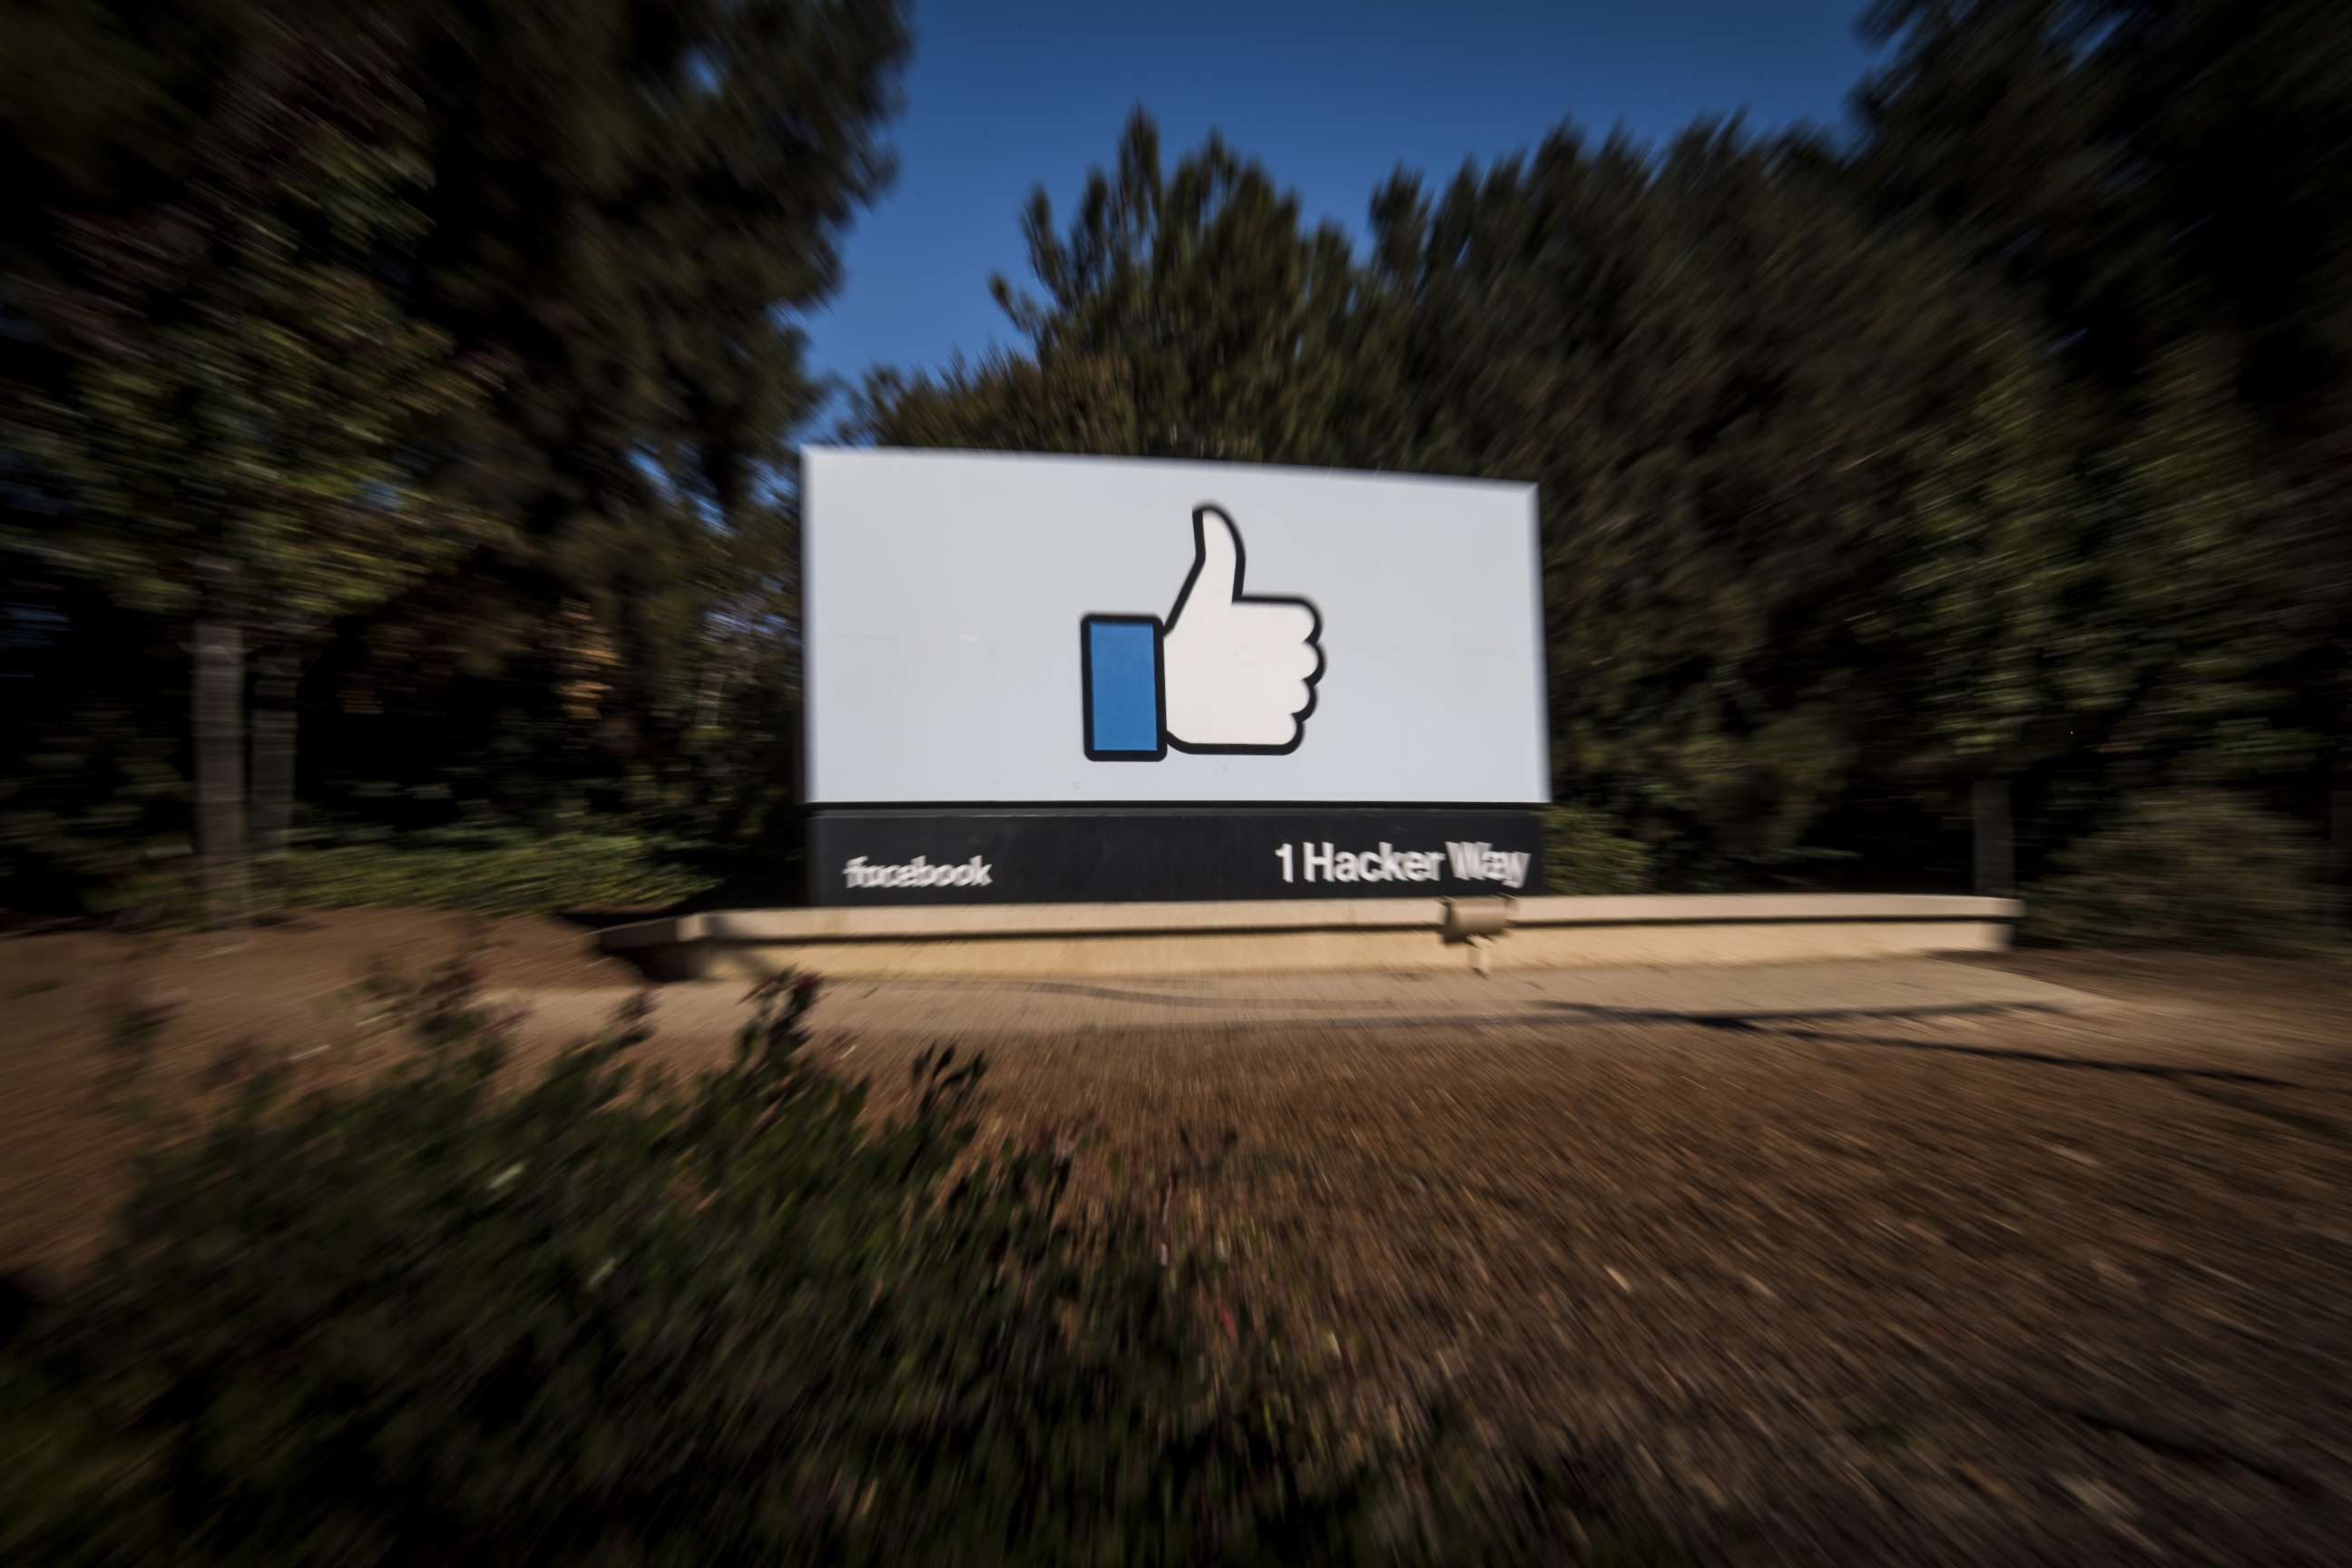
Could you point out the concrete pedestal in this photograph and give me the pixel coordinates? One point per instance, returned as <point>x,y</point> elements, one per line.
<point>1383,935</point>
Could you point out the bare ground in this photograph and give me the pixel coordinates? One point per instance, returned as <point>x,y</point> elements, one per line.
<point>1996,1286</point>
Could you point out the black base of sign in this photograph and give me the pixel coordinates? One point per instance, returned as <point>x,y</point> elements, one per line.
<point>1180,854</point>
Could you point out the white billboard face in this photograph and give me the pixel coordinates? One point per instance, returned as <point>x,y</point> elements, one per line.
<point>983,629</point>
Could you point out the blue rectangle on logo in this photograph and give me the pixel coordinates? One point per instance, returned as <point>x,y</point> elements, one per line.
<point>1123,676</point>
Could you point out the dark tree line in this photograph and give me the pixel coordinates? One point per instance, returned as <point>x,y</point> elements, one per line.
<point>1957,498</point>
<point>428,370</point>
<point>1979,476</point>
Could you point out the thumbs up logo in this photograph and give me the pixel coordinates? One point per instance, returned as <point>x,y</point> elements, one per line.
<point>1227,672</point>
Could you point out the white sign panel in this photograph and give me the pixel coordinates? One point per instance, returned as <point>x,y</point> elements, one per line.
<point>986,630</point>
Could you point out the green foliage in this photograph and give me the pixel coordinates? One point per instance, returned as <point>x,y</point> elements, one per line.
<point>2170,184</point>
<point>1187,313</point>
<point>605,1316</point>
<point>1827,522</point>
<point>632,202</point>
<point>450,351</point>
<point>510,873</point>
<point>2184,868</point>
<point>2004,442</point>
<point>93,819</point>
<point>2151,169</point>
<point>1748,408</point>
<point>1588,854</point>
<point>238,382</point>
<point>1743,400</point>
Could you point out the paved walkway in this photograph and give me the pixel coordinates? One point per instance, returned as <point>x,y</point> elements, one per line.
<point>951,1010</point>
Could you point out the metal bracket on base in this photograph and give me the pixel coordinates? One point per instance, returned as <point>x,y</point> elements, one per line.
<point>1476,921</point>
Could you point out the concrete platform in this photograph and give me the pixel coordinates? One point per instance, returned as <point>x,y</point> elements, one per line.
<point>1803,994</point>
<point>1378,935</point>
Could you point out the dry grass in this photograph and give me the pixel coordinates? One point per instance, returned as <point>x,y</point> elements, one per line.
<point>2048,1289</point>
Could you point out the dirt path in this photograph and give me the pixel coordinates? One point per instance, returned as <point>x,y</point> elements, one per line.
<point>65,1157</point>
<point>1872,1285</point>
<point>1955,1285</point>
<point>942,1011</point>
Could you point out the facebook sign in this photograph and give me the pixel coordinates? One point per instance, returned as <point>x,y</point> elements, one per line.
<point>1284,682</point>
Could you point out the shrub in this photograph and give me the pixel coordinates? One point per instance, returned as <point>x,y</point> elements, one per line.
<point>500,875</point>
<point>2191,868</point>
<point>602,1316</point>
<point>1588,853</point>
<point>93,813</point>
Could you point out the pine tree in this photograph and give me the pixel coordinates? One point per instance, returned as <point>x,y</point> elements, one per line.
<point>631,201</point>
<point>2172,181</point>
<point>235,420</point>
<point>1185,313</point>
<point>470,332</point>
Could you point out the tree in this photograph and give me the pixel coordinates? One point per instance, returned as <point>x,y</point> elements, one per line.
<point>2152,168</point>
<point>630,200</point>
<point>1734,389</point>
<point>568,570</point>
<point>1988,650</point>
<point>2171,181</point>
<point>1080,404</point>
<point>1186,313</point>
<point>236,414</point>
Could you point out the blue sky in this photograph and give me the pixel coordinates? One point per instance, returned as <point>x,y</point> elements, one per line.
<point>1332,95</point>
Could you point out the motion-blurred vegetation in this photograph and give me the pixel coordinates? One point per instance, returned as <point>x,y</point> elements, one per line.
<point>1586,854</point>
<point>590,1314</point>
<point>507,872</point>
<point>1975,474</point>
<point>2121,885</point>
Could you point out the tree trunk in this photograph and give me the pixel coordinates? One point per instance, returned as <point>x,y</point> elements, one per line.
<point>219,651</point>
<point>2339,834</point>
<point>275,677</point>
<point>1996,840</point>
<point>706,713</point>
